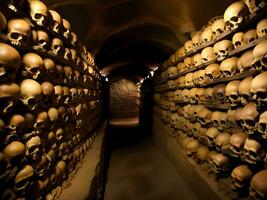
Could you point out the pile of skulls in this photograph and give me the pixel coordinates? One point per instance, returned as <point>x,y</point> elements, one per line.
<point>235,15</point>
<point>19,32</point>
<point>48,112</point>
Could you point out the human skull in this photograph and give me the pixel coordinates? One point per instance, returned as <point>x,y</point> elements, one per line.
<point>260,56</point>
<point>235,14</point>
<point>222,142</point>
<point>231,92</point>
<point>200,95</point>
<point>34,148</point>
<point>228,67</point>
<point>238,116</point>
<point>237,142</point>
<point>220,163</point>
<point>253,151</point>
<point>59,135</point>
<point>202,78</point>
<point>18,31</point>
<point>213,71</point>
<point>53,116</point>
<point>211,135</point>
<point>258,90</point>
<point>59,74</point>
<point>238,40</point>
<point>240,177</point>
<point>262,28</point>
<point>206,35</point>
<point>219,120</point>
<point>218,93</point>
<point>197,59</point>
<point>33,64</point>
<point>38,12</point>
<point>9,95</point>
<point>250,118</point>
<point>185,94</point>
<point>244,90</point>
<point>9,63</point>
<point>57,47</point>
<point>74,40</point>
<point>15,126</point>
<point>31,93</point>
<point>218,27</point>
<point>74,55</point>
<point>57,21</point>
<point>11,157</point>
<point>180,67</point>
<point>202,154</point>
<point>69,75</point>
<point>67,54</point>
<point>181,52</point>
<point>246,61</point>
<point>41,121</point>
<point>48,93</point>
<point>188,63</point>
<point>172,71</point>
<point>188,46</point>
<point>208,54</point>
<point>262,125</point>
<point>73,94</point>
<point>258,186</point>
<point>191,147</point>
<point>208,95</point>
<point>189,79</point>
<point>67,29</point>
<point>250,36</point>
<point>41,40</point>
<point>171,84</point>
<point>196,39</point>
<point>50,68</point>
<point>222,49</point>
<point>58,94</point>
<point>24,180</point>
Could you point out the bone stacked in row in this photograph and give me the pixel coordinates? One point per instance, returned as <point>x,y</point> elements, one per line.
<point>50,101</point>
<point>234,16</point>
<point>217,107</point>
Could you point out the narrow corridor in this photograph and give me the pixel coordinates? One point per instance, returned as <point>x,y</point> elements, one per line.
<point>140,171</point>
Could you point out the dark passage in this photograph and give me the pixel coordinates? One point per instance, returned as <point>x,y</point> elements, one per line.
<point>139,170</point>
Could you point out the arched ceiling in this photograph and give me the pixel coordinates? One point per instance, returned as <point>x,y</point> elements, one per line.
<point>128,35</point>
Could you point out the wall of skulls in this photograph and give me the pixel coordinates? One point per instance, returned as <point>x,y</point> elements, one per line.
<point>124,98</point>
<point>213,98</point>
<point>50,101</point>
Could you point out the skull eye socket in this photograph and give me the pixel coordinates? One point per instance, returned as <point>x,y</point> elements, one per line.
<point>262,127</point>
<point>219,30</point>
<point>15,35</point>
<point>34,69</point>
<point>235,19</point>
<point>250,122</point>
<point>246,97</point>
<point>31,101</point>
<point>251,39</point>
<point>227,73</point>
<point>253,154</point>
<point>234,97</point>
<point>238,43</point>
<point>38,16</point>
<point>261,95</point>
<point>264,62</point>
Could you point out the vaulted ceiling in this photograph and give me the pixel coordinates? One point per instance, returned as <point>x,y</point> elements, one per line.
<point>135,34</point>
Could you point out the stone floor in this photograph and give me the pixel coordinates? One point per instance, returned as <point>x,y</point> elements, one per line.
<point>140,171</point>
